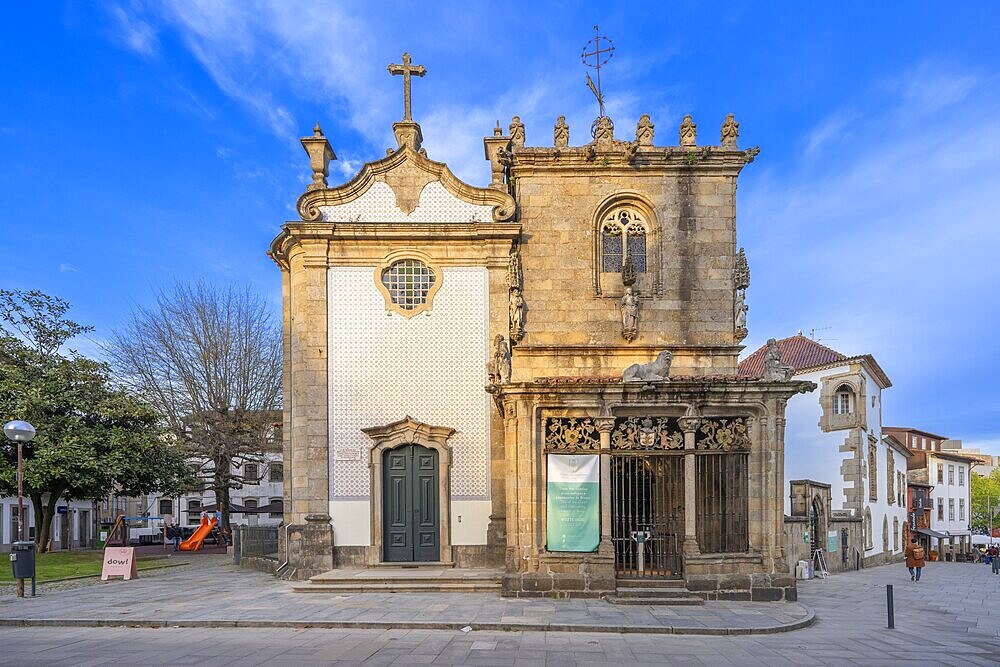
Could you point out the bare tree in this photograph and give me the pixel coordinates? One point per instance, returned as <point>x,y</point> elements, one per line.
<point>209,359</point>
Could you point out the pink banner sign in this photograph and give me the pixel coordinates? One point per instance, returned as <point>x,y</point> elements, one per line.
<point>119,562</point>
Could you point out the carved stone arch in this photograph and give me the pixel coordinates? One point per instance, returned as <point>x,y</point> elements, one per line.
<point>648,283</point>
<point>408,431</point>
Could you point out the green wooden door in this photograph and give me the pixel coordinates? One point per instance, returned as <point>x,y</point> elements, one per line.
<point>410,511</point>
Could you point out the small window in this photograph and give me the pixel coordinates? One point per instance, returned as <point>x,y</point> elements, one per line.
<point>166,507</point>
<point>940,471</point>
<point>951,475</point>
<point>623,234</point>
<point>276,472</point>
<point>251,473</point>
<point>275,515</point>
<point>194,511</point>
<point>961,476</point>
<point>951,509</point>
<point>408,281</point>
<point>961,509</point>
<point>843,400</point>
<point>940,509</point>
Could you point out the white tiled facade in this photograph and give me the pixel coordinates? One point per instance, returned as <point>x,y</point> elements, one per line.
<point>431,367</point>
<point>378,204</point>
<point>953,491</point>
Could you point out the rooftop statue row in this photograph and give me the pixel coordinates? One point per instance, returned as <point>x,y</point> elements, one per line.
<point>602,131</point>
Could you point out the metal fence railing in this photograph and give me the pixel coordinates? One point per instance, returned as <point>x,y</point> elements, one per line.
<point>258,542</point>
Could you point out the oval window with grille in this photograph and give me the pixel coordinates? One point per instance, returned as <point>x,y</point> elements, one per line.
<point>408,282</point>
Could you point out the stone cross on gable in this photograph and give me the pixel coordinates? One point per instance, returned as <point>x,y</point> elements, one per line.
<point>406,69</point>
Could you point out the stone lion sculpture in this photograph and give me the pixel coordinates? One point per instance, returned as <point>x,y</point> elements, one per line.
<point>654,371</point>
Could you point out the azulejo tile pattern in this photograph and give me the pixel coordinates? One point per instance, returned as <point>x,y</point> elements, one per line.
<point>431,367</point>
<point>378,204</point>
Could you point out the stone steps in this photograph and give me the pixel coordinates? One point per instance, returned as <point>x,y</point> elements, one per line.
<point>435,578</point>
<point>400,587</point>
<point>654,591</point>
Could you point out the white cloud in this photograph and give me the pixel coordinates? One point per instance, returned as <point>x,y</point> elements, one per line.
<point>66,267</point>
<point>135,33</point>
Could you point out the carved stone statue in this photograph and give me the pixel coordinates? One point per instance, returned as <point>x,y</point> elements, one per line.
<point>560,134</point>
<point>774,370</point>
<point>688,131</point>
<point>740,315</point>
<point>628,272</point>
<point>730,131</point>
<point>501,360</point>
<point>630,314</point>
<point>644,131</point>
<point>516,315</point>
<point>655,371</point>
<point>516,132</point>
<point>515,274</point>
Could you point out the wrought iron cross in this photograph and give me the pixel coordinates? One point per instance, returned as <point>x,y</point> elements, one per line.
<point>406,69</point>
<point>601,56</point>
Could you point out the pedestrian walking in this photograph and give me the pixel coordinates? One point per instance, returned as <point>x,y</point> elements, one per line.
<point>993,553</point>
<point>914,559</point>
<point>177,537</point>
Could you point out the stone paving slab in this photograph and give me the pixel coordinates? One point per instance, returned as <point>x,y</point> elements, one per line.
<point>214,593</point>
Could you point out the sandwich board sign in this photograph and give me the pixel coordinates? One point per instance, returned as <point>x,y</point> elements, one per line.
<point>119,562</point>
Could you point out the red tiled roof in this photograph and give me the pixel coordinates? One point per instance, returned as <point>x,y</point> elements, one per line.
<point>797,351</point>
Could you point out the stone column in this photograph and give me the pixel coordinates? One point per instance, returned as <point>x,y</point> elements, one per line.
<point>689,424</point>
<point>604,426</point>
<point>309,397</point>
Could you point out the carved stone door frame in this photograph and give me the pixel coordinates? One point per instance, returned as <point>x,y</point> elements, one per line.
<point>409,431</point>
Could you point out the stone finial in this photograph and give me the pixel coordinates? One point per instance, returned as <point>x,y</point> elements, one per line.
<point>730,131</point>
<point>604,133</point>
<point>496,149</point>
<point>516,132</point>
<point>644,131</point>
<point>320,153</point>
<point>408,134</point>
<point>688,131</point>
<point>560,133</point>
<point>741,271</point>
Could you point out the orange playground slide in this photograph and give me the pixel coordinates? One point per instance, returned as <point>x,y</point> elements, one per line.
<point>194,542</point>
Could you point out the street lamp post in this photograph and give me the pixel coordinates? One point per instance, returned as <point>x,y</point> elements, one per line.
<point>20,432</point>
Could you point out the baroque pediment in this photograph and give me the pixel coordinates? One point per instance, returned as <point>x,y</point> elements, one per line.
<point>405,186</point>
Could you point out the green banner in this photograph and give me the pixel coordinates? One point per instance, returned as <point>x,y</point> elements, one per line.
<point>573,502</point>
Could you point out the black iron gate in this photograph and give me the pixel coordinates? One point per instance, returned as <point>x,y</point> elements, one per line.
<point>647,494</point>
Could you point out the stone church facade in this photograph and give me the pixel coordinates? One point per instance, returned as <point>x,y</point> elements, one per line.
<point>461,362</point>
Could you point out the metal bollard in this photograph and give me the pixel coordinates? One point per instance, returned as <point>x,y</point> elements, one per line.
<point>889,607</point>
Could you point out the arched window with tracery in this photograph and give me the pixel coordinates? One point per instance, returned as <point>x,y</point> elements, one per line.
<point>624,231</point>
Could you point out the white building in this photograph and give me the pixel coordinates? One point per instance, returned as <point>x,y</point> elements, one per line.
<point>949,473</point>
<point>186,508</point>
<point>73,527</point>
<point>834,436</point>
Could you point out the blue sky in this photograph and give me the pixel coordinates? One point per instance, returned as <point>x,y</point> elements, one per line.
<point>146,142</point>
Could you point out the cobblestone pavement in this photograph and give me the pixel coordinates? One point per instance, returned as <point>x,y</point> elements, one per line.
<point>215,592</point>
<point>951,617</point>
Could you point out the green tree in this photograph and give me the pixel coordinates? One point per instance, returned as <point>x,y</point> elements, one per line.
<point>93,438</point>
<point>985,491</point>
